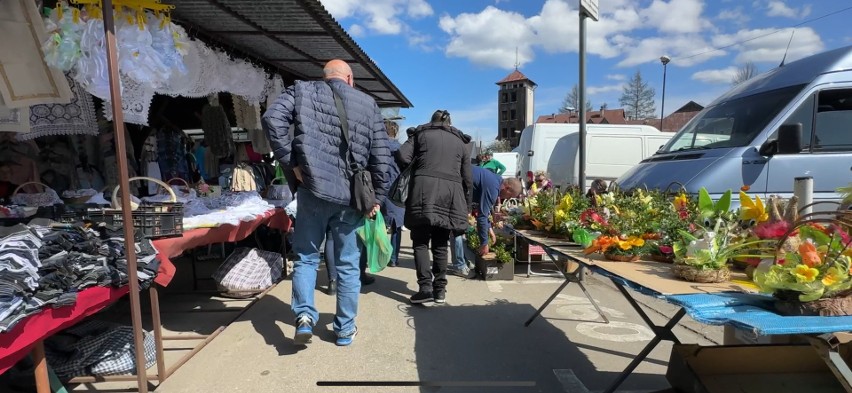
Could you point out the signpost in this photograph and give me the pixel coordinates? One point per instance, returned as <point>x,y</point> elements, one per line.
<point>588,9</point>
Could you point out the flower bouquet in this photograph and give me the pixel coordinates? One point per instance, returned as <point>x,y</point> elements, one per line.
<point>618,248</point>
<point>703,256</point>
<point>813,279</point>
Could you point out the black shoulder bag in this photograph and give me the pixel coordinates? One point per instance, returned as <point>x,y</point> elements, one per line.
<point>361,180</point>
<point>400,187</point>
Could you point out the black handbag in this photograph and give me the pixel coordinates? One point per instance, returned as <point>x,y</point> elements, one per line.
<point>361,180</point>
<point>400,187</point>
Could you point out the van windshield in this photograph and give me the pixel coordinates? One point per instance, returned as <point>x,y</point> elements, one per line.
<point>732,123</point>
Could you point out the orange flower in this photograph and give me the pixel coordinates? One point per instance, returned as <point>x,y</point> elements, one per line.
<point>602,243</point>
<point>810,255</point>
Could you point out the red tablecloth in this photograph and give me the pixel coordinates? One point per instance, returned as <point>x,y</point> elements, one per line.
<point>18,342</point>
<point>175,246</point>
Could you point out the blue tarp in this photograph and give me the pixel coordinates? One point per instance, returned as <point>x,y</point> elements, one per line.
<point>754,312</point>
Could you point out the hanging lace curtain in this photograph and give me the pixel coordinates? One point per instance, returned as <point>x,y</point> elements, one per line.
<point>75,118</point>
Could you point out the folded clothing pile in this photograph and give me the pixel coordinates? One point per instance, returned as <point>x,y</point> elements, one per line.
<point>96,348</point>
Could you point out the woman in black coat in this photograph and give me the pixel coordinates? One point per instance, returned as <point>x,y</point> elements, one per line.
<point>438,201</point>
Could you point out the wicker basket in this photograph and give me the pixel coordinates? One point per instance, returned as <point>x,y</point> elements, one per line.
<point>662,258</point>
<point>621,258</point>
<point>40,199</point>
<point>694,274</point>
<point>116,203</point>
<point>788,303</point>
<point>187,189</point>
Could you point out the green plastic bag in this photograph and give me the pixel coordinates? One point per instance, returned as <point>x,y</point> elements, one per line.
<point>377,244</point>
<point>583,237</point>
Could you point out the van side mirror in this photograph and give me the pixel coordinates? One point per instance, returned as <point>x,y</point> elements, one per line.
<point>769,148</point>
<point>790,138</point>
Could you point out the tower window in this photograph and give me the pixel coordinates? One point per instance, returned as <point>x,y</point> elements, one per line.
<point>504,98</point>
<point>513,114</point>
<point>514,96</point>
<point>503,115</point>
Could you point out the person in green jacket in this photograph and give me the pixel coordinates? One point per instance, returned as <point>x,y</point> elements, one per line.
<point>491,164</point>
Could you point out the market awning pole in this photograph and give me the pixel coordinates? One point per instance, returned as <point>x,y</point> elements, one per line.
<point>124,185</point>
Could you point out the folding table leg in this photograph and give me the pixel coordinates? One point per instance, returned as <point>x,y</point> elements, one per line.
<point>660,333</point>
<point>547,303</point>
<point>42,378</point>
<point>834,361</point>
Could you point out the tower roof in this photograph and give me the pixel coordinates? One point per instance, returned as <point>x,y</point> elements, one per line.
<point>515,76</point>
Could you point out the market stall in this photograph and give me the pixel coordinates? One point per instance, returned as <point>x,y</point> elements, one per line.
<point>769,267</point>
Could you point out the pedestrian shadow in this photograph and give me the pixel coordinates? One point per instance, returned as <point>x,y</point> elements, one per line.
<point>480,345</point>
<point>271,310</point>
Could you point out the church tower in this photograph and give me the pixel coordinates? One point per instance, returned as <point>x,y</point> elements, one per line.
<point>514,106</point>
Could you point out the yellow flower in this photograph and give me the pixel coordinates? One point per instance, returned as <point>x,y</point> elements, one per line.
<point>752,209</point>
<point>680,202</point>
<point>804,273</point>
<point>831,277</point>
<point>631,242</point>
<point>566,202</point>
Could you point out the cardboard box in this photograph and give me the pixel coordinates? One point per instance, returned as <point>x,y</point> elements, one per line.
<point>735,336</point>
<point>750,369</point>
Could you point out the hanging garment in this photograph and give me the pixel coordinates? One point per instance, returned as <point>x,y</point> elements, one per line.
<point>217,130</point>
<point>276,87</point>
<point>25,79</point>
<point>211,164</point>
<point>108,157</point>
<point>153,171</point>
<point>75,118</point>
<point>246,114</point>
<point>20,157</point>
<point>242,179</point>
<point>171,150</point>
<point>200,160</point>
<point>259,141</point>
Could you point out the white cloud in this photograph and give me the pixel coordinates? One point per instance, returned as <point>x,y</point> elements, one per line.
<point>489,38</point>
<point>379,16</point>
<point>676,16</point>
<point>595,90</point>
<point>781,9</point>
<point>718,76</point>
<point>736,15</point>
<point>357,30</point>
<point>770,47</point>
<point>681,48</point>
<point>616,77</point>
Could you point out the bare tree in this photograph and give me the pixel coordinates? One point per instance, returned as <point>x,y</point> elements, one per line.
<point>572,100</point>
<point>499,146</point>
<point>744,73</point>
<point>638,98</point>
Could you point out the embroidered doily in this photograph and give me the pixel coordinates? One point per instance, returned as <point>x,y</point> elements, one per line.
<point>135,101</point>
<point>75,118</point>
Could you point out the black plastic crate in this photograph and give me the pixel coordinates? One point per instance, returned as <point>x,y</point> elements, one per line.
<point>152,220</point>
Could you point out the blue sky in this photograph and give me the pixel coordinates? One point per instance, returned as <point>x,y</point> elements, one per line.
<point>448,54</point>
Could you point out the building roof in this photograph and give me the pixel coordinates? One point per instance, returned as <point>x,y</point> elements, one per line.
<point>292,37</point>
<point>607,116</point>
<point>515,76</point>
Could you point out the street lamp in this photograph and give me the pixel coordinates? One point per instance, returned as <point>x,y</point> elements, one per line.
<point>665,60</point>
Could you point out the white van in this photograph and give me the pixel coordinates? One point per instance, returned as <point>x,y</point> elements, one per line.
<point>611,150</point>
<point>790,122</point>
<point>510,161</point>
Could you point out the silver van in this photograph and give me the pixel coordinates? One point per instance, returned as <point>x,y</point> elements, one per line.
<point>793,121</point>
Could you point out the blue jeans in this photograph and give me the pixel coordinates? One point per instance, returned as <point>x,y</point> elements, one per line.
<point>318,218</point>
<point>396,241</point>
<point>459,262</point>
<point>329,257</point>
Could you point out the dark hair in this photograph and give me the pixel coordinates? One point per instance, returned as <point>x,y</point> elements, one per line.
<point>441,116</point>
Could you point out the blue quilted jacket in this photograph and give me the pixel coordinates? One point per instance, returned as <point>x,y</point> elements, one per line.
<point>316,143</point>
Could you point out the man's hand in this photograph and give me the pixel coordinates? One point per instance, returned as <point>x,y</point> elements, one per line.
<point>375,210</point>
<point>298,172</point>
<point>483,249</point>
<point>491,236</point>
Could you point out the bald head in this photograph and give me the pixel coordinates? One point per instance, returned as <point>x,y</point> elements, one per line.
<point>340,70</point>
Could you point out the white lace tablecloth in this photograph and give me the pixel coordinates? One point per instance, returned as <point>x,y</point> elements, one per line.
<point>209,212</point>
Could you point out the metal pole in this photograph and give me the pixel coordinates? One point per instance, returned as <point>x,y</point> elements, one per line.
<point>803,187</point>
<point>582,153</point>
<point>663,104</point>
<point>127,215</point>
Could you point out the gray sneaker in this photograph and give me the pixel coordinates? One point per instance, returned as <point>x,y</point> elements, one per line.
<point>463,273</point>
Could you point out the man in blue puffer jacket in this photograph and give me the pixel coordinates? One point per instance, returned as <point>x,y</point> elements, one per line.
<point>316,154</point>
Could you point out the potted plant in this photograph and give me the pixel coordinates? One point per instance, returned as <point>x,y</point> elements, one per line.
<point>674,219</point>
<point>814,278</point>
<point>703,257</point>
<point>497,264</point>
